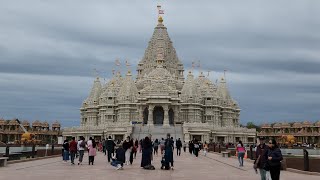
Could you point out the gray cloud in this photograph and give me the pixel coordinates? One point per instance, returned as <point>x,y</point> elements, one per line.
<point>48,51</point>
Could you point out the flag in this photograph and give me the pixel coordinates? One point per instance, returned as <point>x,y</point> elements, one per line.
<point>161,11</point>
<point>117,62</point>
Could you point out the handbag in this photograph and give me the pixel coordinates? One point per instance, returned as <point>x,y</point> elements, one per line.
<point>266,166</point>
<point>283,165</point>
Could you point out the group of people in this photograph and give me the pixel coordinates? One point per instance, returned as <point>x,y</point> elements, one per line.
<point>268,158</point>
<point>123,152</point>
<point>77,148</point>
<point>195,146</point>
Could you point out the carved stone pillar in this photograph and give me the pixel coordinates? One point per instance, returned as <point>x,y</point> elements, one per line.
<point>176,115</point>
<point>150,116</point>
<point>166,116</point>
<point>141,115</point>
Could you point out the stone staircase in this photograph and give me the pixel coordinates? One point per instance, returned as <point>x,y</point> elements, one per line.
<point>157,132</point>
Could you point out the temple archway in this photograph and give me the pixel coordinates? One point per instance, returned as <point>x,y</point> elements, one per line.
<point>158,115</point>
<point>145,116</point>
<point>171,116</point>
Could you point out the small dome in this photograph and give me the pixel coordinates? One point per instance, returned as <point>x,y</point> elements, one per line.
<point>277,125</point>
<point>297,125</point>
<point>317,123</point>
<point>128,90</point>
<point>207,88</point>
<point>190,92</point>
<point>56,124</point>
<point>285,125</point>
<point>13,122</point>
<point>307,123</point>
<point>45,124</point>
<point>25,123</point>
<point>3,122</point>
<point>36,123</point>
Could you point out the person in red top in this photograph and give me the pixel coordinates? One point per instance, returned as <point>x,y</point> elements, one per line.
<point>73,149</point>
<point>241,152</point>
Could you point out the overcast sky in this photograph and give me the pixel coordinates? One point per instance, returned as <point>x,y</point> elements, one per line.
<point>270,49</point>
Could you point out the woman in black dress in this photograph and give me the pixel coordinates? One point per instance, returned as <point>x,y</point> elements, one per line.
<point>146,152</point>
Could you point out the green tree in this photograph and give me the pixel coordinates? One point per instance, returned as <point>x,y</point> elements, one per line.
<point>251,125</point>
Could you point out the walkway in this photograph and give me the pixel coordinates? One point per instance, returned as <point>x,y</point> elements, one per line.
<point>187,167</point>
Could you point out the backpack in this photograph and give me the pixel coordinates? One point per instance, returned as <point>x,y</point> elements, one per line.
<point>82,144</point>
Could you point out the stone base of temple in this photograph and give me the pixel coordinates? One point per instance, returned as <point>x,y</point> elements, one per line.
<point>186,132</point>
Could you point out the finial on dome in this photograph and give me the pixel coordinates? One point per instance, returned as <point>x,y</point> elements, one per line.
<point>129,73</point>
<point>160,19</point>
<point>160,11</point>
<point>201,74</point>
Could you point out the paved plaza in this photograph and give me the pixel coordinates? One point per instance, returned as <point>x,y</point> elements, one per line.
<point>186,167</point>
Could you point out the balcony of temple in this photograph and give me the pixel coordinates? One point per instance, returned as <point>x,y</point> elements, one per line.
<point>303,131</point>
<point>11,131</point>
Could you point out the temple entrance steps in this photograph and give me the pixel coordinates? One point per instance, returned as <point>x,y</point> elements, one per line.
<point>157,131</point>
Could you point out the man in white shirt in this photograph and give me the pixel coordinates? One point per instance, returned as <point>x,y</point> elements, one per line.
<point>81,146</point>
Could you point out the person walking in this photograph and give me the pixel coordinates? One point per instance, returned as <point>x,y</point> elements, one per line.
<point>205,148</point>
<point>81,146</point>
<point>92,150</point>
<point>241,150</point>
<point>191,147</point>
<point>184,146</point>
<point>127,145</point>
<point>65,150</point>
<point>168,150</point>
<point>104,146</point>
<point>146,152</point>
<point>261,160</point>
<point>73,149</point>
<point>136,145</point>
<point>155,147</point>
<point>140,144</point>
<point>162,141</point>
<point>132,151</point>
<point>110,144</point>
<point>196,148</point>
<point>178,145</point>
<point>274,159</point>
